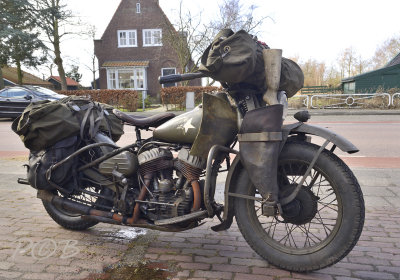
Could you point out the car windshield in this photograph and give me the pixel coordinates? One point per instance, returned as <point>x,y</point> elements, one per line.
<point>44,92</point>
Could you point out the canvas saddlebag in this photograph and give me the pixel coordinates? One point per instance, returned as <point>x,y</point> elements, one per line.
<point>63,176</point>
<point>45,123</point>
<point>54,130</point>
<point>235,58</point>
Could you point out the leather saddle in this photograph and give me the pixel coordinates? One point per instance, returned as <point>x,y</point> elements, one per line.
<point>144,122</point>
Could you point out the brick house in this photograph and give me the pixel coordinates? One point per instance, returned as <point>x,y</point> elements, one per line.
<point>131,52</point>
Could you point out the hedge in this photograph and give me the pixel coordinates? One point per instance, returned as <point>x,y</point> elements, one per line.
<point>177,95</point>
<point>122,99</point>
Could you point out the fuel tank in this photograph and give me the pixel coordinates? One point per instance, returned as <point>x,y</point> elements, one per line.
<point>213,123</point>
<point>182,129</point>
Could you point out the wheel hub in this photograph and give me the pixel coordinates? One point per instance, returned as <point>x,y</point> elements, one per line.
<point>302,209</point>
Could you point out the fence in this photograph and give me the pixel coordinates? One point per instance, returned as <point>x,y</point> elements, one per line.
<point>395,96</point>
<point>317,89</point>
<point>336,101</point>
<point>333,101</point>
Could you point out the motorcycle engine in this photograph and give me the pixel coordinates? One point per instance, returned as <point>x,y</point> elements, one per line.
<point>171,196</point>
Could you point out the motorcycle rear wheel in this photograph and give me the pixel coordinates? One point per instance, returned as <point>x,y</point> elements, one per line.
<point>66,218</point>
<point>323,223</point>
<point>74,221</point>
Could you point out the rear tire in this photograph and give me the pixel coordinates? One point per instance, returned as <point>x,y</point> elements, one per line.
<point>74,221</point>
<point>67,219</point>
<point>317,230</point>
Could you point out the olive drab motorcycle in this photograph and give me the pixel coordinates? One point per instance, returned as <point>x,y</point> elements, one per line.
<point>297,204</point>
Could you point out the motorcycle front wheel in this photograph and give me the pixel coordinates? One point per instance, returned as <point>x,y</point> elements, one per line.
<point>319,227</point>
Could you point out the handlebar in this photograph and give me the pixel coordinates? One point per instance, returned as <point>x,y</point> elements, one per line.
<point>180,77</point>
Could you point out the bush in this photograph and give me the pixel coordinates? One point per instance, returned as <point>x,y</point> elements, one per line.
<point>176,96</point>
<point>147,101</point>
<point>122,99</point>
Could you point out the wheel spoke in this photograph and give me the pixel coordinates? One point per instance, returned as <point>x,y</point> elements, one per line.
<point>323,224</point>
<point>308,232</point>
<point>326,206</point>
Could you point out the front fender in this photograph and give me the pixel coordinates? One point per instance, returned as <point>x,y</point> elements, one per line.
<point>235,176</point>
<point>344,144</point>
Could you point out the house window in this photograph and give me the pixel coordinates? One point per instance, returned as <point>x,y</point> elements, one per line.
<point>138,8</point>
<point>112,80</point>
<point>168,71</point>
<point>127,78</point>
<point>139,78</point>
<point>127,38</point>
<point>350,87</point>
<point>152,37</point>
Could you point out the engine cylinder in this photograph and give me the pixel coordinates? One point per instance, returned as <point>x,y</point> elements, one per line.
<point>154,160</point>
<point>190,166</point>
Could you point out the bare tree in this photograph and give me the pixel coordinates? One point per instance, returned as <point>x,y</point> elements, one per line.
<point>347,61</point>
<point>332,77</point>
<point>92,67</point>
<point>188,37</point>
<point>234,15</point>
<point>56,20</point>
<point>314,72</point>
<point>384,53</point>
<point>361,65</point>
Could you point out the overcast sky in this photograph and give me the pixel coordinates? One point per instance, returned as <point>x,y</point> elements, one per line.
<point>315,29</point>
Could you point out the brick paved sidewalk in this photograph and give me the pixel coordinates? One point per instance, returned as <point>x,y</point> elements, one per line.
<point>196,254</point>
<point>33,246</point>
<point>203,254</point>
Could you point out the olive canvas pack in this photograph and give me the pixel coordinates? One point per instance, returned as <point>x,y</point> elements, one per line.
<point>44,123</point>
<point>234,58</point>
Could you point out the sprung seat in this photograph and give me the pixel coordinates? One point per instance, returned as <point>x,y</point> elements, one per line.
<point>144,122</point>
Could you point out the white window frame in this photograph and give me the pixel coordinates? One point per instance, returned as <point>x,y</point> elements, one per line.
<point>167,68</point>
<point>138,8</point>
<point>134,74</point>
<point>152,44</point>
<point>127,45</point>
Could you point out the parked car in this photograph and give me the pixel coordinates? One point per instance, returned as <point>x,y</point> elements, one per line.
<point>14,100</point>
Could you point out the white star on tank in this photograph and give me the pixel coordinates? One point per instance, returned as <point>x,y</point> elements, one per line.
<point>188,125</point>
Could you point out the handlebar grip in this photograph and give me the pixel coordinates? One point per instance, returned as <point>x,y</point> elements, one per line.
<point>170,79</point>
<point>180,77</point>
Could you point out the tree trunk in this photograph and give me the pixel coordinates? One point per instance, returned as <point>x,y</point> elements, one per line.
<point>19,72</point>
<point>58,60</point>
<point>94,81</point>
<point>1,78</point>
<point>94,73</point>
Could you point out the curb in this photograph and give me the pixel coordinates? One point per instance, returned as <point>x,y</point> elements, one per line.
<point>291,112</point>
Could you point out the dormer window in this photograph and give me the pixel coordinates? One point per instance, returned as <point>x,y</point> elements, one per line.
<point>127,38</point>
<point>138,8</point>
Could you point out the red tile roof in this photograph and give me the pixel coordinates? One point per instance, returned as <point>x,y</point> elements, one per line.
<point>10,73</point>
<point>70,82</point>
<point>125,63</point>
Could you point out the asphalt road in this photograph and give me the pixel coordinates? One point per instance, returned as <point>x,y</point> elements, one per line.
<point>202,253</point>
<point>376,136</point>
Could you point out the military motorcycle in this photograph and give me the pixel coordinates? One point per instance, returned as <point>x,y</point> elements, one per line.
<point>311,219</point>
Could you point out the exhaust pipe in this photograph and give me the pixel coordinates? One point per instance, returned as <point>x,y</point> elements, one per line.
<point>272,63</point>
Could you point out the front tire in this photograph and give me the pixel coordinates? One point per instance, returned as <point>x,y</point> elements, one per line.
<point>317,229</point>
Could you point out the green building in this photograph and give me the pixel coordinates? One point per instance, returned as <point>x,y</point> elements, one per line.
<point>386,78</point>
